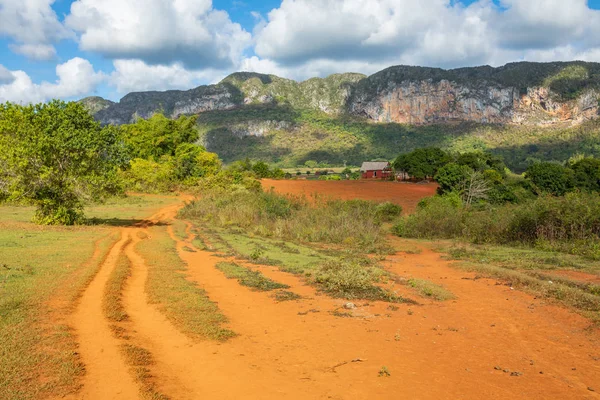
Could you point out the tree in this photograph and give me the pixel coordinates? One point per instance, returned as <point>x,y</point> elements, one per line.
<point>422,163</point>
<point>451,177</point>
<point>262,170</point>
<point>587,174</point>
<point>311,164</point>
<point>475,188</point>
<point>193,161</point>
<point>57,156</point>
<point>158,135</point>
<point>550,178</point>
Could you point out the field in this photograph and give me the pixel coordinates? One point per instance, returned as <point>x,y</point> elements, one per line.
<point>406,195</point>
<point>145,304</point>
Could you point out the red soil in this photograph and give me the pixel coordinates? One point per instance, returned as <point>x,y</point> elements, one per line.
<point>407,195</point>
<point>459,349</point>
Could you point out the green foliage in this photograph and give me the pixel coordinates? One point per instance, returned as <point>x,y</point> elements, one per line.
<point>422,163</point>
<point>550,178</point>
<point>159,136</point>
<point>450,177</point>
<point>388,211</point>
<point>587,174</point>
<point>149,176</point>
<point>56,156</point>
<point>352,223</point>
<point>570,223</point>
<point>247,277</point>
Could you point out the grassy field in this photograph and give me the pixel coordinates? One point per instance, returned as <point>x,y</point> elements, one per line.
<point>43,270</point>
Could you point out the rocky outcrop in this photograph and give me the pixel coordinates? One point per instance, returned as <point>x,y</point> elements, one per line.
<point>520,93</point>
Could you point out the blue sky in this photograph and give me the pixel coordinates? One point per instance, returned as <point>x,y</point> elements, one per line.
<point>74,48</point>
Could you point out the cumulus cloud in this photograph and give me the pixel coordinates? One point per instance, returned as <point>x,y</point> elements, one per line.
<point>76,78</point>
<point>33,25</point>
<point>6,76</point>
<point>136,75</point>
<point>159,32</point>
<point>322,35</point>
<point>39,52</point>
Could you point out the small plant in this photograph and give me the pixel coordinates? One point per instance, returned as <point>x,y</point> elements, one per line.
<point>410,312</point>
<point>384,372</point>
<point>284,295</point>
<point>257,254</point>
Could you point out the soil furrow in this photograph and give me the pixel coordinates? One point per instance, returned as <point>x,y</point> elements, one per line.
<point>107,374</point>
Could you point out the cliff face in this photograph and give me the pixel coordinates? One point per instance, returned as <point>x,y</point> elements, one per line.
<point>428,102</point>
<point>520,93</point>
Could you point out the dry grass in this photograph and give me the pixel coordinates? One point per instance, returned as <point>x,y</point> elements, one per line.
<point>185,304</point>
<point>249,278</point>
<point>429,289</point>
<point>112,303</point>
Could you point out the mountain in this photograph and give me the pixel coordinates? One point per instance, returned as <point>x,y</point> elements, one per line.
<point>96,104</point>
<point>352,117</point>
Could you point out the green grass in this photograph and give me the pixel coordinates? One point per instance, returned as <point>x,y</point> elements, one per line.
<point>247,277</point>
<point>185,304</point>
<point>290,257</point>
<point>179,228</point>
<point>140,360</point>
<point>427,288</point>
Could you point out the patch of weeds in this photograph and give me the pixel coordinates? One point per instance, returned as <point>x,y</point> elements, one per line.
<point>256,254</point>
<point>188,249</point>
<point>429,289</point>
<point>410,312</point>
<point>284,295</point>
<point>392,307</point>
<point>397,337</point>
<point>342,314</point>
<point>384,372</point>
<point>179,229</point>
<point>140,359</point>
<point>351,280</point>
<point>112,303</point>
<point>184,303</point>
<point>247,277</point>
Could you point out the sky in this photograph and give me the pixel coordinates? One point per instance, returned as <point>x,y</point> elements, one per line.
<point>69,49</point>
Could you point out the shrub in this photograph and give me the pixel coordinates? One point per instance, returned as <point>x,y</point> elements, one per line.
<point>388,211</point>
<point>550,178</point>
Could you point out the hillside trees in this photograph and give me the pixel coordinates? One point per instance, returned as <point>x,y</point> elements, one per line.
<point>164,154</point>
<point>550,178</point>
<point>57,156</point>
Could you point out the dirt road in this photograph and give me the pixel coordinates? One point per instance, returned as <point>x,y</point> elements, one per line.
<point>491,342</point>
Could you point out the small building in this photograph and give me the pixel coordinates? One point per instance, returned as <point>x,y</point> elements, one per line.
<point>376,170</point>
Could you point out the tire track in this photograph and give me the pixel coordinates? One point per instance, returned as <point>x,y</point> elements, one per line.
<point>107,374</point>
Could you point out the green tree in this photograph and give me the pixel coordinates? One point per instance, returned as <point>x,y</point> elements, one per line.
<point>262,170</point>
<point>193,161</point>
<point>159,136</point>
<point>587,174</point>
<point>550,178</point>
<point>57,156</point>
<point>422,163</point>
<point>311,164</point>
<point>451,177</point>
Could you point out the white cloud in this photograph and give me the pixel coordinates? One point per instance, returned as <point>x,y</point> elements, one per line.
<point>159,32</point>
<point>39,52</point>
<point>6,76</point>
<point>446,33</point>
<point>76,78</point>
<point>135,76</point>
<point>32,24</point>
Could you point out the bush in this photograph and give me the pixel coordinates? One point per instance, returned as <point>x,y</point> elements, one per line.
<point>388,211</point>
<point>150,176</point>
<point>550,178</point>
<point>570,223</point>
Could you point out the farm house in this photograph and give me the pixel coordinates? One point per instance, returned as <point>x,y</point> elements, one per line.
<point>376,170</point>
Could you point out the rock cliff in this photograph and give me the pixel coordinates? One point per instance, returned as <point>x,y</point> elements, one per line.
<point>518,93</point>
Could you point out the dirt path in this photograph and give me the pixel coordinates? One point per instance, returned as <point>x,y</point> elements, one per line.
<point>107,375</point>
<point>301,350</point>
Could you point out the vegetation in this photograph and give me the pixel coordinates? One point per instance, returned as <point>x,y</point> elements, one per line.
<point>187,306</point>
<point>247,277</point>
<point>570,223</point>
<point>56,156</point>
<point>306,135</point>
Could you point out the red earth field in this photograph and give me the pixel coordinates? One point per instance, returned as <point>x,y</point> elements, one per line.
<point>407,195</point>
